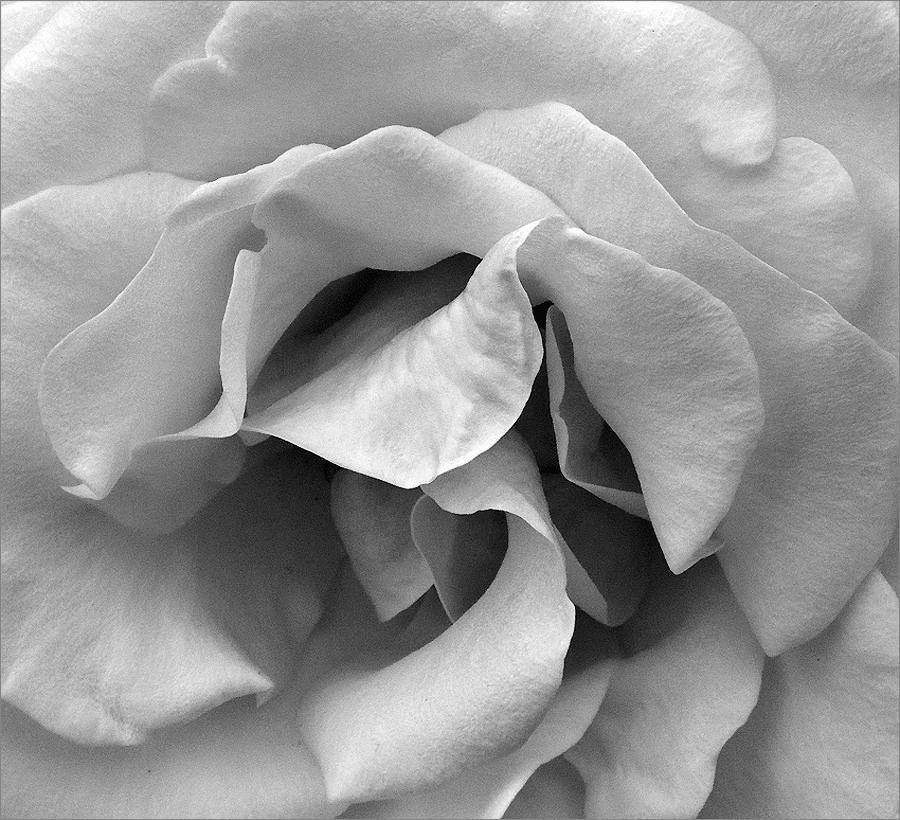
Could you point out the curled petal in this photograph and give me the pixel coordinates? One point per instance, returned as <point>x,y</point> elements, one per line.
<point>692,680</point>
<point>671,81</point>
<point>823,740</point>
<point>825,472</point>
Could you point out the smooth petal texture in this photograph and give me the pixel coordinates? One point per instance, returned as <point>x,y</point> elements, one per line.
<point>668,368</point>
<point>822,741</point>
<point>591,455</point>
<point>413,405</point>
<point>830,397</point>
<point>474,692</point>
<point>676,85</point>
<point>373,520</point>
<point>20,22</point>
<point>503,478</point>
<point>799,211</point>
<point>488,790</point>
<point>74,97</point>
<point>159,342</point>
<point>692,681</point>
<point>612,546</point>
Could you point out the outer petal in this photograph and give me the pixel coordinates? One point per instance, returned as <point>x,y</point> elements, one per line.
<point>160,341</point>
<point>670,81</point>
<point>694,678</point>
<point>823,740</point>
<point>830,397</point>
<point>74,97</point>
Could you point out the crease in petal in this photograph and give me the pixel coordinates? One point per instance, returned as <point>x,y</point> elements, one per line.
<point>691,679</point>
<point>702,92</point>
<point>824,474</point>
<point>373,521</point>
<point>823,740</point>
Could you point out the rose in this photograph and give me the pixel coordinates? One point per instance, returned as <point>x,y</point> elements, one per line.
<point>828,395</point>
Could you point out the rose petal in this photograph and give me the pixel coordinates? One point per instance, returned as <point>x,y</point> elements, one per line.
<point>489,790</point>
<point>373,520</point>
<point>822,741</point>
<point>475,691</point>
<point>21,21</point>
<point>153,382</point>
<point>693,680</point>
<point>672,82</point>
<point>503,478</point>
<point>798,211</point>
<point>554,790</point>
<point>74,96</point>
<point>612,546</point>
<point>667,367</point>
<point>825,472</point>
<point>591,455</point>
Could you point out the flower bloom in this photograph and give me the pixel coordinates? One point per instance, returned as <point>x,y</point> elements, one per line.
<point>465,409</point>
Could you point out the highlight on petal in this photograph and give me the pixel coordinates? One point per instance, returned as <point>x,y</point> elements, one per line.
<point>823,740</point>
<point>666,365</point>
<point>20,22</point>
<point>825,472</point>
<point>373,521</point>
<point>474,692</point>
<point>591,455</point>
<point>159,342</point>
<point>490,789</point>
<point>109,635</point>
<point>691,680</point>
<point>678,86</point>
<point>74,96</point>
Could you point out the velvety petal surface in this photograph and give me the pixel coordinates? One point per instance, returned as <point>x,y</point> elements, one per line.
<point>691,681</point>
<point>148,365</point>
<point>373,520</point>
<point>830,394</point>
<point>74,96</point>
<point>822,742</point>
<point>679,87</point>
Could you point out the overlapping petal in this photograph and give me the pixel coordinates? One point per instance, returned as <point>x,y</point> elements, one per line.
<point>825,471</point>
<point>675,84</point>
<point>74,96</point>
<point>823,739</point>
<point>691,680</point>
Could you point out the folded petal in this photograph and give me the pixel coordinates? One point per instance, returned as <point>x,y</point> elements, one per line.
<point>666,365</point>
<point>822,742</point>
<point>692,680</point>
<point>373,520</point>
<point>672,82</point>
<point>474,692</point>
<point>591,455</point>
<point>160,341</point>
<point>798,211</point>
<point>74,96</point>
<point>825,472</point>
